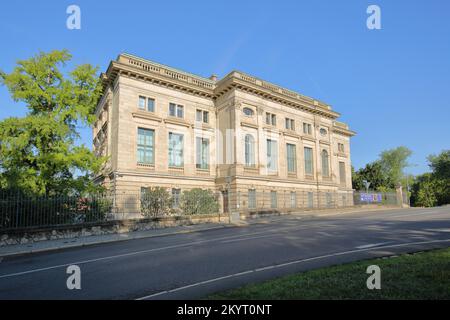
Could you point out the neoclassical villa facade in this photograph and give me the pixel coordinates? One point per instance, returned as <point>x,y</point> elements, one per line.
<point>239,136</point>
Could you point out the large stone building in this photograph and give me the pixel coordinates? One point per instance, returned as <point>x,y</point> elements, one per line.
<point>256,144</point>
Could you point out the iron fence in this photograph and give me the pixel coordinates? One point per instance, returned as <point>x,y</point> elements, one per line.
<point>21,212</point>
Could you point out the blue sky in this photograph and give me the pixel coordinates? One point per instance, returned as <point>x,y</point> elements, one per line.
<point>392,85</point>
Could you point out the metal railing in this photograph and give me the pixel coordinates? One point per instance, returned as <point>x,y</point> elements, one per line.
<point>22,212</point>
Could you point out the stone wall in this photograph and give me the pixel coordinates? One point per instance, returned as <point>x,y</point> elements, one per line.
<point>28,236</point>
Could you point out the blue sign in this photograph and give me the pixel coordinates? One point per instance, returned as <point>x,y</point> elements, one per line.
<point>371,197</point>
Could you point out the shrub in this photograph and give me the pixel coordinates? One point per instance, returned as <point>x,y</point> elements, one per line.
<point>198,201</point>
<point>155,202</point>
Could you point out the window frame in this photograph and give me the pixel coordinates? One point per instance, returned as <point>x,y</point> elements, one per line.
<point>176,112</point>
<point>291,158</point>
<point>309,163</point>
<point>171,149</point>
<point>150,148</point>
<point>325,155</point>
<point>199,153</point>
<point>249,151</point>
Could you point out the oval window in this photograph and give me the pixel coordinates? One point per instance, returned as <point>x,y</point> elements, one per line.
<point>248,112</point>
<point>323,131</point>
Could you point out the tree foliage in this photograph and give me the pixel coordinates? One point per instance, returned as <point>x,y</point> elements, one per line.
<point>393,163</point>
<point>385,173</point>
<point>38,153</point>
<point>198,201</point>
<point>156,202</point>
<point>431,189</point>
<point>374,173</point>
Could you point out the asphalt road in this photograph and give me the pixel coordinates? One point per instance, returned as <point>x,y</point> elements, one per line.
<point>189,266</point>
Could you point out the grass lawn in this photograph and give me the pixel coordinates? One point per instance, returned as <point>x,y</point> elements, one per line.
<point>424,275</point>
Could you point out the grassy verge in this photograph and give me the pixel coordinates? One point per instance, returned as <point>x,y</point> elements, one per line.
<point>423,275</point>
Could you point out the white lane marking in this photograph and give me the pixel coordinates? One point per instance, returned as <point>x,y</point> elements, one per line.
<point>371,245</point>
<point>163,248</point>
<point>249,238</point>
<point>287,264</point>
<point>148,251</point>
<point>436,212</point>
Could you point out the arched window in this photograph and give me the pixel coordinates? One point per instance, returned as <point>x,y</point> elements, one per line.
<point>325,164</point>
<point>249,151</point>
<point>248,112</point>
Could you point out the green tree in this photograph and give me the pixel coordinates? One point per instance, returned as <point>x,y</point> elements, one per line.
<point>375,174</point>
<point>440,166</point>
<point>423,191</point>
<point>38,153</point>
<point>393,163</point>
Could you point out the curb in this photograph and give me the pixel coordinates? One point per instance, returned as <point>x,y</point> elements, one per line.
<point>80,245</point>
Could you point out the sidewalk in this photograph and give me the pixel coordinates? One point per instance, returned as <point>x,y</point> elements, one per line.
<point>51,245</point>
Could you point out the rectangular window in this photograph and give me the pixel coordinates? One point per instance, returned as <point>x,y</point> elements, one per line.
<point>342,174</point>
<point>202,153</point>
<point>293,200</point>
<point>308,161</point>
<point>271,119</point>
<point>310,200</point>
<point>142,102</point>
<point>290,124</point>
<point>307,128</point>
<point>198,115</point>
<point>273,200</point>
<point>144,192</point>
<point>145,146</point>
<point>252,199</point>
<point>176,193</point>
<point>151,105</point>
<point>272,155</point>
<point>291,158</point>
<point>175,150</point>
<point>329,200</point>
<point>176,110</point>
<point>202,116</point>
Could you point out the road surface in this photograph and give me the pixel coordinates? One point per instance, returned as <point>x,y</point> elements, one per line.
<point>190,266</point>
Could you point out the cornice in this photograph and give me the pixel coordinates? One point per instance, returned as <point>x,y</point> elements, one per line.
<point>145,70</point>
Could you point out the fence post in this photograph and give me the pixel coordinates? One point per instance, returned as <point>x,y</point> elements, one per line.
<point>17,209</point>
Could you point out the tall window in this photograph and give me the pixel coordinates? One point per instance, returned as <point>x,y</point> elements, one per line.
<point>176,193</point>
<point>342,174</point>
<point>272,155</point>
<point>249,151</point>
<point>145,146</point>
<point>141,102</point>
<point>202,153</point>
<point>273,200</point>
<point>341,147</point>
<point>176,110</point>
<point>175,150</point>
<point>291,158</point>
<point>252,199</point>
<point>310,200</point>
<point>325,164</point>
<point>308,161</point>
<point>293,200</point>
